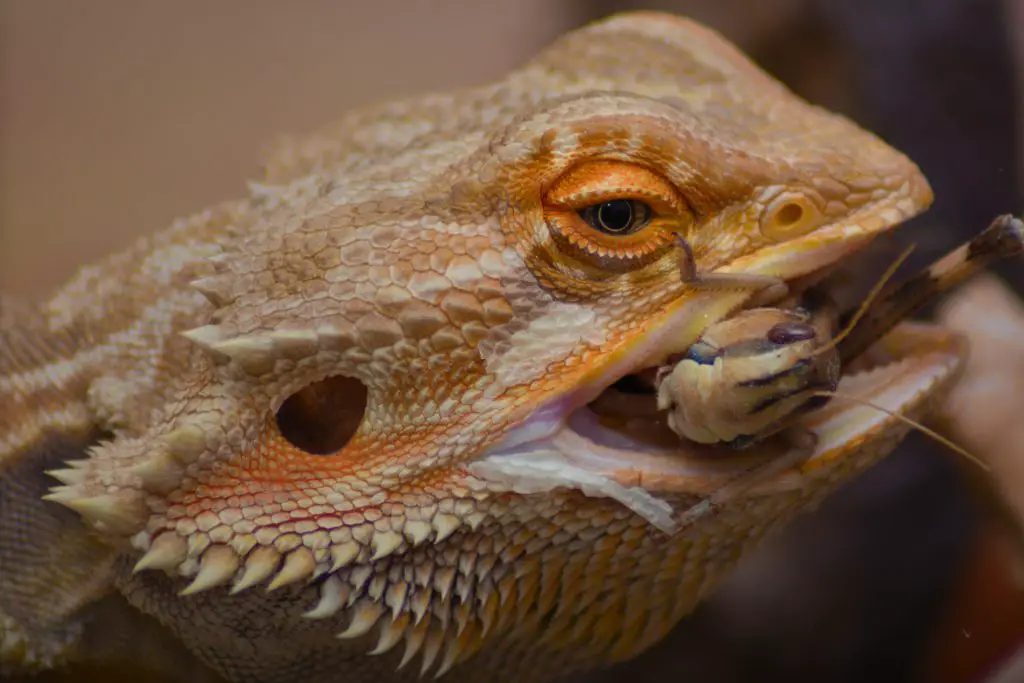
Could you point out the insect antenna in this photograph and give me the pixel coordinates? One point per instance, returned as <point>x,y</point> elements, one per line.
<point>863,309</point>
<point>927,431</point>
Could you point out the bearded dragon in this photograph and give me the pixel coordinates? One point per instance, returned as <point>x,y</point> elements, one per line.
<point>337,429</point>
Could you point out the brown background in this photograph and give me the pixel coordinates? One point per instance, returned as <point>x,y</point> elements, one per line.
<point>118,116</point>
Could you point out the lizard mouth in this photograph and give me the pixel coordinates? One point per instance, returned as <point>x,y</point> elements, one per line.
<point>620,447</point>
<point>607,438</point>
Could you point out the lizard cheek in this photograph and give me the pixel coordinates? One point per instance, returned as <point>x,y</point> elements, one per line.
<point>322,417</point>
<point>789,215</point>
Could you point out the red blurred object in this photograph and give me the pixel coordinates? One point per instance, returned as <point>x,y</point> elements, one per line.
<point>983,623</point>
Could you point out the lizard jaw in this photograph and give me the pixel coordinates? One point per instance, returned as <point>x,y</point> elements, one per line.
<point>562,444</point>
<point>912,366</point>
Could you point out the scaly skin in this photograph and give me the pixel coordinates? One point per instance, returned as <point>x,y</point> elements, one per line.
<point>430,250</point>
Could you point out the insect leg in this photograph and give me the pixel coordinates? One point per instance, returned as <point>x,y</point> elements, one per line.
<point>1003,238</point>
<point>801,445</point>
<point>767,287</point>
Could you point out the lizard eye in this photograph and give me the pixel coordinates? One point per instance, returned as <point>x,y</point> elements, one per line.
<point>615,215</point>
<point>618,216</point>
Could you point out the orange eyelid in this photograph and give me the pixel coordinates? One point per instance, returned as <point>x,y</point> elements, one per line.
<point>595,182</point>
<point>600,181</point>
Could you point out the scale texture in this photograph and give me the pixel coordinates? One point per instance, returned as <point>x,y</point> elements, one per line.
<point>421,271</point>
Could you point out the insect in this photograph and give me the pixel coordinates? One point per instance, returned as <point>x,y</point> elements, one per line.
<point>749,376</point>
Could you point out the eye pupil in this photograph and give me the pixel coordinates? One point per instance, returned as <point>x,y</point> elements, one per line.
<point>615,216</point>
<point>618,216</point>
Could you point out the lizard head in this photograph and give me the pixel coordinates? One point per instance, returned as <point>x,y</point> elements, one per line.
<point>377,405</point>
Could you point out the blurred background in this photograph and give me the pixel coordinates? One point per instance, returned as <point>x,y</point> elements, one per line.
<point>117,117</point>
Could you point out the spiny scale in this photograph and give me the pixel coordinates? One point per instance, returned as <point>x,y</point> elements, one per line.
<point>333,593</point>
<point>390,634</point>
<point>414,639</point>
<point>364,618</point>
<point>70,476</point>
<point>216,289</point>
<point>298,565</point>
<point>343,554</point>
<point>384,543</point>
<point>257,354</point>
<point>122,513</point>
<point>259,565</point>
<point>216,568</point>
<point>446,616</point>
<point>157,470</point>
<point>186,443</point>
<point>160,473</point>
<point>167,551</point>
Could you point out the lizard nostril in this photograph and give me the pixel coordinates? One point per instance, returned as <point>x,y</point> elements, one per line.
<point>789,333</point>
<point>790,214</point>
<point>322,417</point>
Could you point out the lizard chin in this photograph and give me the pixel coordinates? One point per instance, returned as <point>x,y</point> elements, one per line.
<point>635,459</point>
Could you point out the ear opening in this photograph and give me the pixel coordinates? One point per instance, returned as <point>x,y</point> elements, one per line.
<point>323,416</point>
